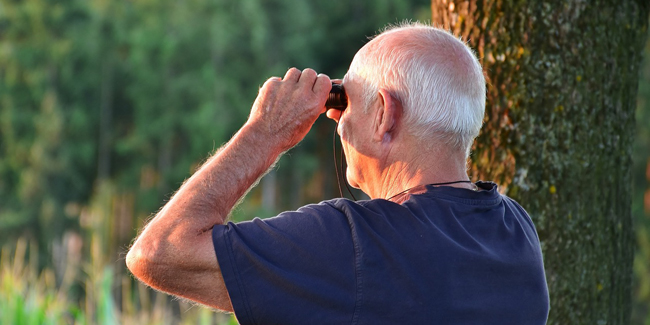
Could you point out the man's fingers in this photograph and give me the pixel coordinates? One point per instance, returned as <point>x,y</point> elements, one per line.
<point>309,86</point>
<point>323,84</point>
<point>307,77</point>
<point>292,74</point>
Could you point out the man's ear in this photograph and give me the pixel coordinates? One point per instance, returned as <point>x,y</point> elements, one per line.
<point>387,116</point>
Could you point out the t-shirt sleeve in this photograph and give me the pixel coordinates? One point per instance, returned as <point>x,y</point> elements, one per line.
<point>298,267</point>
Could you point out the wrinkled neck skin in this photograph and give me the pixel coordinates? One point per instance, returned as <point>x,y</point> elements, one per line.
<point>403,165</point>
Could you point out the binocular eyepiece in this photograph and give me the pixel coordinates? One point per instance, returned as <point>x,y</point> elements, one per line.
<point>337,98</point>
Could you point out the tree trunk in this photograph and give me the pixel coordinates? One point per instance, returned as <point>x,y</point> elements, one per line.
<point>562,83</point>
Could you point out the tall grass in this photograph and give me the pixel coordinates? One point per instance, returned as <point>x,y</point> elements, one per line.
<point>28,296</point>
<point>87,282</point>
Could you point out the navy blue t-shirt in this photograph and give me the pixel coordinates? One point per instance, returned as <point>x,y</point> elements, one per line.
<point>447,256</point>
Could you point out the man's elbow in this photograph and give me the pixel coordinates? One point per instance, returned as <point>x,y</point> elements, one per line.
<point>135,262</point>
<point>141,266</point>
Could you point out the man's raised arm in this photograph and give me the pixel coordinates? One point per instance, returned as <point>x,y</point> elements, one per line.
<point>174,252</point>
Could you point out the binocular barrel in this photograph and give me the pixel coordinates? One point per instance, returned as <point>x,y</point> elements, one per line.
<point>337,98</point>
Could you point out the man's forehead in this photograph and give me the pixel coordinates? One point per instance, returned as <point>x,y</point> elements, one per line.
<point>352,79</point>
<point>347,77</point>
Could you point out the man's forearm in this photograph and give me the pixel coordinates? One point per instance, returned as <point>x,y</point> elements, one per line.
<point>229,174</point>
<point>207,197</point>
<point>218,185</point>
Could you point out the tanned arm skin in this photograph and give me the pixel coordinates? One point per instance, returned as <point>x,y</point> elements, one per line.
<point>174,252</point>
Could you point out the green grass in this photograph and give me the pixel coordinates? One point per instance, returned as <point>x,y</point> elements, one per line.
<point>29,296</point>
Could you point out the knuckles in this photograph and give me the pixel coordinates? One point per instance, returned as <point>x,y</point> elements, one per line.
<point>290,97</point>
<point>287,107</point>
<point>308,74</point>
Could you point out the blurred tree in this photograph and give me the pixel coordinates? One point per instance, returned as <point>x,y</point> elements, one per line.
<point>135,94</point>
<point>46,156</point>
<point>563,78</point>
<point>641,200</point>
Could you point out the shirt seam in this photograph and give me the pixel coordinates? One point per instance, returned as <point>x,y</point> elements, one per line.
<point>358,274</point>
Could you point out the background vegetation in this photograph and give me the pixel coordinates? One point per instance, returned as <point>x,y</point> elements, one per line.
<point>107,106</point>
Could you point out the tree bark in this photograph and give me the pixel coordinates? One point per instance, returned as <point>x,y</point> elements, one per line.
<point>559,125</point>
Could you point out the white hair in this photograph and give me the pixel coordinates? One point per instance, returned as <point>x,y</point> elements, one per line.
<point>435,76</point>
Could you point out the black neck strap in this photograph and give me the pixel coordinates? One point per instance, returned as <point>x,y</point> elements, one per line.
<point>432,184</point>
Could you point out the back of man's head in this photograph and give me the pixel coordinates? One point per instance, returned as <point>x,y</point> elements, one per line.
<point>434,75</point>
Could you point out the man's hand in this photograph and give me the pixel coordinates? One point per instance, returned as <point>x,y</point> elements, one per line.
<point>174,252</point>
<point>285,109</point>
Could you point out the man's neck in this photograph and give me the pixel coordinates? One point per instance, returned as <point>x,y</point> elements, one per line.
<point>407,170</point>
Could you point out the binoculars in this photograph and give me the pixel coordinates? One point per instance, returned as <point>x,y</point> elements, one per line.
<point>337,98</point>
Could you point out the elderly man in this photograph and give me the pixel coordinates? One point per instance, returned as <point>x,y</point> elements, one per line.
<point>430,247</point>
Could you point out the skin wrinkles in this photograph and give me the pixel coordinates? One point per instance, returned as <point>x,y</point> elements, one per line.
<point>403,173</point>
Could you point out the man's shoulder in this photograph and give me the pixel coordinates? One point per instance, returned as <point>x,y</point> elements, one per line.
<point>346,206</point>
